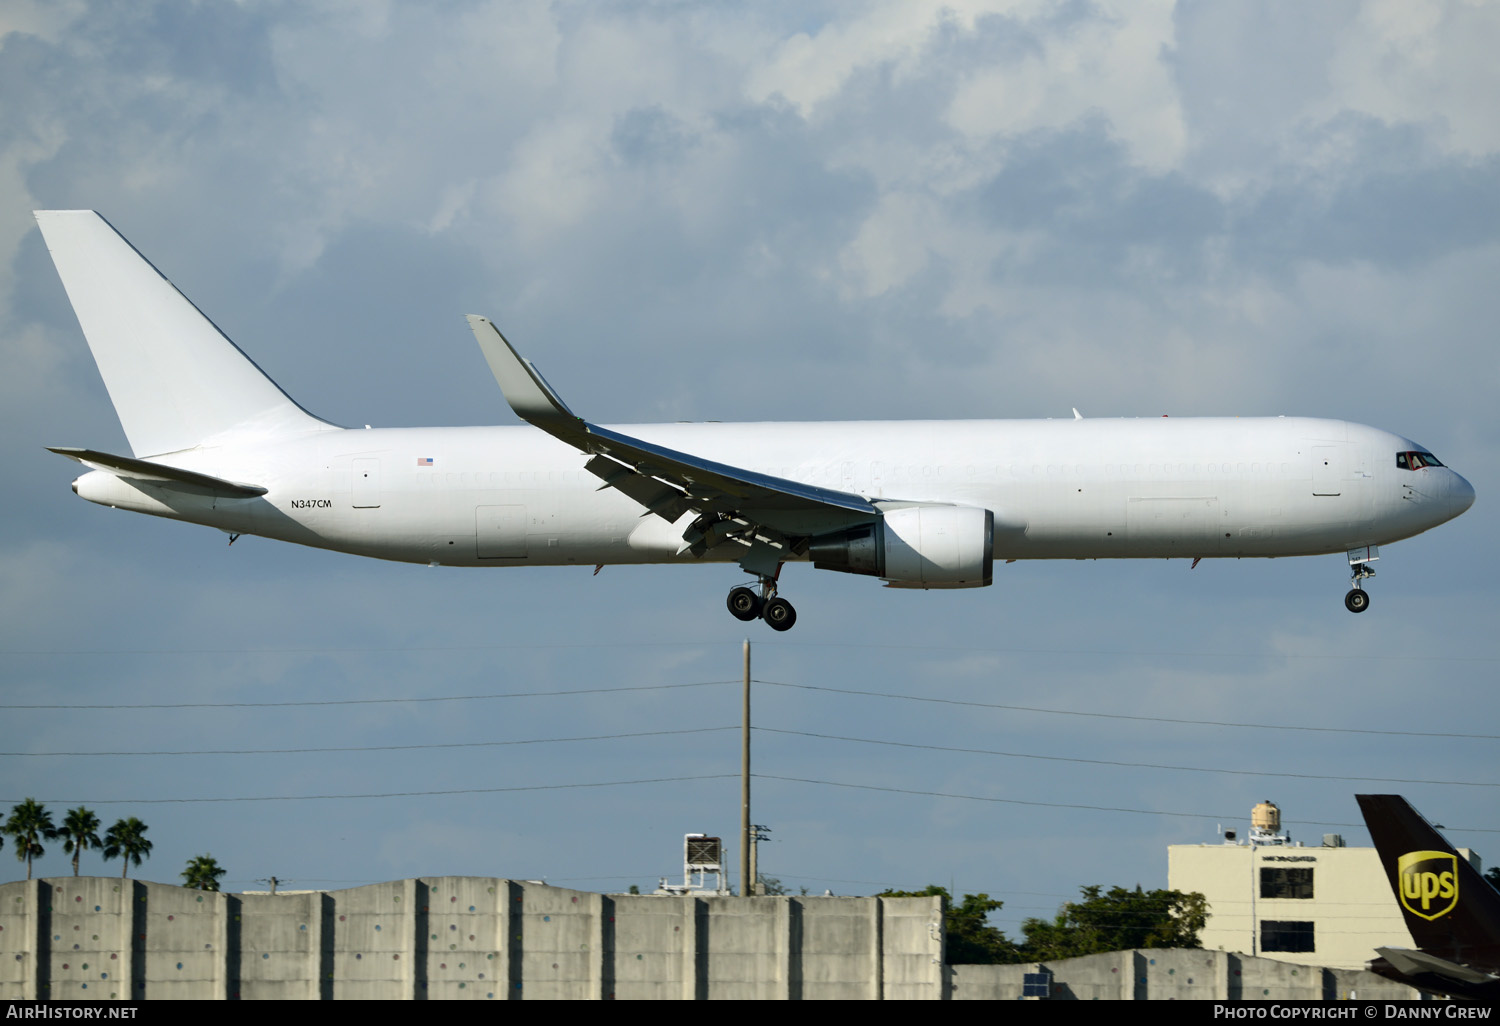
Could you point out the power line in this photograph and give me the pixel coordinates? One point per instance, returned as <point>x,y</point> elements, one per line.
<point>675,780</point>
<point>1065,805</point>
<point>768,730</point>
<point>377,701</point>
<point>565,645</point>
<point>386,794</point>
<point>1124,716</point>
<point>1153,653</point>
<point>345,650</point>
<point>1133,765</point>
<point>385,748</point>
<point>710,683</point>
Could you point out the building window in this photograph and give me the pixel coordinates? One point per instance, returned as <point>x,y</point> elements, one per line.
<point>1286,883</point>
<point>1286,936</point>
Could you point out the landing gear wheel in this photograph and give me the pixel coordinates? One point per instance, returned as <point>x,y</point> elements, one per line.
<point>744,604</point>
<point>779,614</point>
<point>1357,601</point>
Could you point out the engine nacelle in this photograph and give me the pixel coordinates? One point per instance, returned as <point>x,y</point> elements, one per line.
<point>915,547</point>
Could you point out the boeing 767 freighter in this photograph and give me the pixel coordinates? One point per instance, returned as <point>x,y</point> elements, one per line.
<point>918,504</point>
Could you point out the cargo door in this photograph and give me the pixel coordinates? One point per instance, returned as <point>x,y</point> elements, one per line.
<point>500,532</point>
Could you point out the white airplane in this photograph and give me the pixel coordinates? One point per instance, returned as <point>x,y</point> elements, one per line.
<point>919,504</point>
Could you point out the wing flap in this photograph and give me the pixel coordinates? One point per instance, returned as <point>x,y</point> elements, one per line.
<point>666,501</point>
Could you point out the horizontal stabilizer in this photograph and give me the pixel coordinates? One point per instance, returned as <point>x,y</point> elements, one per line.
<point>1413,963</point>
<point>156,473</point>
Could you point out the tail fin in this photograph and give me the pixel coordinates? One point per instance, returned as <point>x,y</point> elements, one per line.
<point>175,379</point>
<point>1451,910</point>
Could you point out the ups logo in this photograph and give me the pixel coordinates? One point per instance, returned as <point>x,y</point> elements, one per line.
<point>1429,883</point>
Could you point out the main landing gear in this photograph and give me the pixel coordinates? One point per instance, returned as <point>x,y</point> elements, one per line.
<point>778,613</point>
<point>1357,601</point>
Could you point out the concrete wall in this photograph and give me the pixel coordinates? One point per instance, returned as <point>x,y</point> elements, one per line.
<point>1177,975</point>
<point>472,938</point>
<point>457,938</point>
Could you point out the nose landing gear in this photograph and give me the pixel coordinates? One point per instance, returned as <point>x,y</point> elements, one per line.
<point>1357,601</point>
<point>745,604</point>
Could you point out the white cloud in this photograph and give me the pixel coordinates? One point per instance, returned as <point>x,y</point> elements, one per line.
<point>1424,62</point>
<point>1112,66</point>
<point>893,244</point>
<point>808,70</point>
<point>554,179</point>
<point>45,19</point>
<point>16,220</point>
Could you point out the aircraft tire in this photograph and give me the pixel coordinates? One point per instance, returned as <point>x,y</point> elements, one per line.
<point>1357,601</point>
<point>744,604</point>
<point>779,614</point>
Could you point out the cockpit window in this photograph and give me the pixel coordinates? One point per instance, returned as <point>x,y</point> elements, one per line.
<point>1416,460</point>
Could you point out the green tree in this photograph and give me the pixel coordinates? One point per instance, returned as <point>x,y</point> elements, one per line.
<point>81,828</point>
<point>971,939</point>
<point>202,872</point>
<point>1116,921</point>
<point>127,840</point>
<point>30,824</point>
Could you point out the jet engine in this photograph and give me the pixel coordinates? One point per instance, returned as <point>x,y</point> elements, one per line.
<point>915,547</point>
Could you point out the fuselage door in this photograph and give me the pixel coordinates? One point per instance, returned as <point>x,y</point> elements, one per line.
<point>1325,468</point>
<point>500,532</point>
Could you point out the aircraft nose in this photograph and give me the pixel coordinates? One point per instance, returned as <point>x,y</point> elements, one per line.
<point>1460,494</point>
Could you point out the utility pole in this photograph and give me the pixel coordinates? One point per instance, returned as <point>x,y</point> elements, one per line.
<point>746,883</point>
<point>757,834</point>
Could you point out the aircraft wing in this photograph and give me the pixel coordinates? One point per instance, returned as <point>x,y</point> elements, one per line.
<point>731,501</point>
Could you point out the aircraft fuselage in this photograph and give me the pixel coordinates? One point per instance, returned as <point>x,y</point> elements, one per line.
<point>1081,489</point>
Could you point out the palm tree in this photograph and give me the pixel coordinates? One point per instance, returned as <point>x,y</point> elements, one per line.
<point>127,840</point>
<point>81,830</point>
<point>202,872</point>
<point>30,823</point>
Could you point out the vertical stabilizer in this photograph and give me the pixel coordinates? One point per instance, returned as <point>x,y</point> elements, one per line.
<point>174,378</point>
<point>1451,911</point>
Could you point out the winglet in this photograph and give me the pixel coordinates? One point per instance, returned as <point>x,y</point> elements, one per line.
<point>525,389</point>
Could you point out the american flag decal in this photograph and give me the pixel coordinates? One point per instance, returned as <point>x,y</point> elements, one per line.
<point>424,461</point>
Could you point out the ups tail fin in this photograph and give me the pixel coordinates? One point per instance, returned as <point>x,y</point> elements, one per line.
<point>1451,910</point>
<point>175,379</point>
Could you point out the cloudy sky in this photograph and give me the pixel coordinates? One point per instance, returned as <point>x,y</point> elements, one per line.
<point>755,212</point>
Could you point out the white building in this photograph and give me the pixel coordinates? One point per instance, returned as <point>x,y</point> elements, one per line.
<point>1323,906</point>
